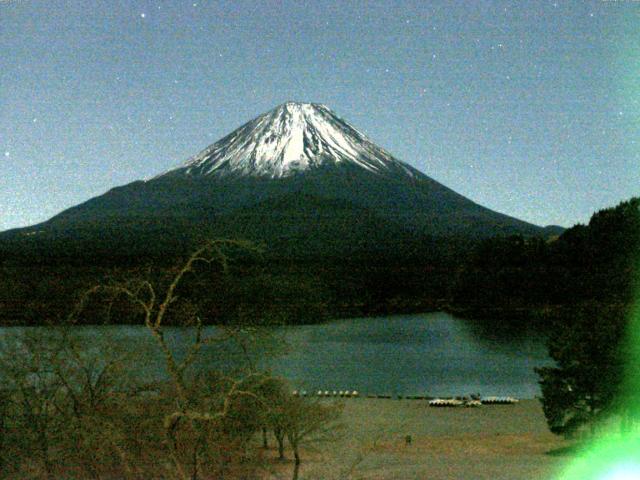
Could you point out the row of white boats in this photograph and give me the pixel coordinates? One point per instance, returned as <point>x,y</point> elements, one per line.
<point>328,393</point>
<point>472,402</point>
<point>433,402</point>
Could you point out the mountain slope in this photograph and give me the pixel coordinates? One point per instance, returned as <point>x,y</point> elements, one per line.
<point>299,158</point>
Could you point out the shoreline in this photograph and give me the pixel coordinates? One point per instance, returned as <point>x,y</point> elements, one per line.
<point>503,442</point>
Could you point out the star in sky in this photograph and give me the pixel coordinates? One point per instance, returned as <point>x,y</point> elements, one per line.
<point>451,105</point>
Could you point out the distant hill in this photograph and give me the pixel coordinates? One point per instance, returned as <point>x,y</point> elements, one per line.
<point>531,280</point>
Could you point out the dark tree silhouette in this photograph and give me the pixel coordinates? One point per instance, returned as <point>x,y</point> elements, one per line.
<point>585,384</point>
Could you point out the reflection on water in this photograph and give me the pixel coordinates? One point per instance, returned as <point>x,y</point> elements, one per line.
<point>432,354</point>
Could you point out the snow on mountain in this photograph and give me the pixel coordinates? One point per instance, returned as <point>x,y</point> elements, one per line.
<point>291,138</point>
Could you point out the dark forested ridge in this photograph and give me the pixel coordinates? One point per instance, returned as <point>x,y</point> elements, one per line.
<point>39,285</point>
<point>533,280</point>
<point>513,281</point>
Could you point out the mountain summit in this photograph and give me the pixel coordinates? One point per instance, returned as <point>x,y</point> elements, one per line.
<point>298,179</point>
<point>291,138</point>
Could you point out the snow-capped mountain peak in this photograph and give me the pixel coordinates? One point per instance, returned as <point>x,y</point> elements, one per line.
<point>291,138</point>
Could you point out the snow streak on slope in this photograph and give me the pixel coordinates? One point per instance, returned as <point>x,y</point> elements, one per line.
<point>292,138</point>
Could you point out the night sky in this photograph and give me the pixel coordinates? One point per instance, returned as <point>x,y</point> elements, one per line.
<point>531,108</point>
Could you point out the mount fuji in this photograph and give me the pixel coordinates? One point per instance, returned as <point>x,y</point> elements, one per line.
<point>298,178</point>
<point>288,140</point>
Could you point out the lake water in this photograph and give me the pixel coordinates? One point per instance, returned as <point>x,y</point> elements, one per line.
<point>432,354</point>
<point>425,354</point>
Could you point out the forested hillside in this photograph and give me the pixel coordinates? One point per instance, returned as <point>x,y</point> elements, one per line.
<point>532,280</point>
<point>512,281</point>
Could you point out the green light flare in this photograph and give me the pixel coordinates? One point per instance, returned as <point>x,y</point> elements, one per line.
<point>611,457</point>
<point>615,455</point>
<point>631,389</point>
<point>624,472</point>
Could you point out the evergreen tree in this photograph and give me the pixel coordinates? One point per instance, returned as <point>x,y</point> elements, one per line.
<point>585,383</point>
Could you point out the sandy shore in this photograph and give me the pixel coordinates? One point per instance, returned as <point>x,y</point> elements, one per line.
<point>497,442</point>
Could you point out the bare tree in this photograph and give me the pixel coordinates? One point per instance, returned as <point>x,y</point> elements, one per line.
<point>36,396</point>
<point>276,395</point>
<point>60,402</point>
<point>98,390</point>
<point>72,410</point>
<point>308,422</point>
<point>193,417</point>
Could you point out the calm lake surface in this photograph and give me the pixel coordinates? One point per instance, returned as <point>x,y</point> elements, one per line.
<point>423,354</point>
